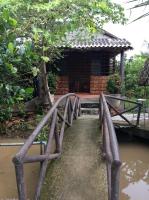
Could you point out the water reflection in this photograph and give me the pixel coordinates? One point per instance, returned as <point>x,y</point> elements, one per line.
<point>134,171</point>
<point>137,191</point>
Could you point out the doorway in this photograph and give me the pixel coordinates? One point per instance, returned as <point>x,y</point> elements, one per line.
<point>79,74</point>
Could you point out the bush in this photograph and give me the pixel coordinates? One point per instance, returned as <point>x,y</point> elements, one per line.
<point>133,67</point>
<point>52,82</point>
<point>114,84</point>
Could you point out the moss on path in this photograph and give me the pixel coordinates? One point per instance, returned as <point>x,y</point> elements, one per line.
<point>80,174</point>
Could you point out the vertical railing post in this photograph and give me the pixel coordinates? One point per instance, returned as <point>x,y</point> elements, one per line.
<point>139,112</point>
<point>79,107</point>
<point>109,180</point>
<point>115,177</point>
<point>69,111</point>
<point>100,111</point>
<point>57,138</point>
<point>47,152</point>
<point>19,170</point>
<point>103,137</point>
<point>63,123</point>
<point>75,108</point>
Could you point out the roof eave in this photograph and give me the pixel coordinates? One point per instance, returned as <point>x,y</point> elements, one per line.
<point>116,49</point>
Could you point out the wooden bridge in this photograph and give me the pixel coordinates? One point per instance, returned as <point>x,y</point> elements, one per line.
<point>82,165</point>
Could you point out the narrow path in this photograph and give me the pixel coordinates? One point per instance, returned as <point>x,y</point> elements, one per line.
<point>79,174</point>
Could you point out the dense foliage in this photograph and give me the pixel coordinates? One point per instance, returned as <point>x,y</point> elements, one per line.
<point>133,67</point>
<point>114,84</point>
<point>31,31</point>
<point>11,65</point>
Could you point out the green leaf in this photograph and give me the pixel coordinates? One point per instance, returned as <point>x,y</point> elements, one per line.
<point>11,47</point>
<point>12,22</point>
<point>45,48</point>
<point>22,91</point>
<point>45,58</point>
<point>7,87</point>
<point>19,98</point>
<point>36,37</point>
<point>35,71</point>
<point>11,68</point>
<point>14,70</point>
<point>5,14</point>
<point>29,90</point>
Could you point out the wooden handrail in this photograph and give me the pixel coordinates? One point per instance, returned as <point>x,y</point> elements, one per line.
<point>111,149</point>
<point>50,119</point>
<point>122,99</point>
<point>110,144</point>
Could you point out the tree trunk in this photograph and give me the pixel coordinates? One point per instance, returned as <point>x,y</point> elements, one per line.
<point>44,97</point>
<point>44,93</point>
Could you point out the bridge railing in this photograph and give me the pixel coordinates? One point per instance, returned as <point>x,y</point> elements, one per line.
<point>110,150</point>
<point>61,114</point>
<point>135,107</point>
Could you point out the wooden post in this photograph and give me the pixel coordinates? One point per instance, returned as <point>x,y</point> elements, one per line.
<point>20,180</point>
<point>139,113</point>
<point>122,73</point>
<point>115,179</point>
<point>47,152</point>
<point>114,64</point>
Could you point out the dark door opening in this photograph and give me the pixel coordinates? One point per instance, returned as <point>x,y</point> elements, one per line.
<point>79,75</point>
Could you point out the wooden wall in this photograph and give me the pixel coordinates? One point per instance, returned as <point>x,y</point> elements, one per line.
<point>84,72</point>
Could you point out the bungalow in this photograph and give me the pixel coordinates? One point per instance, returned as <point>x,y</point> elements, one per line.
<point>88,61</point>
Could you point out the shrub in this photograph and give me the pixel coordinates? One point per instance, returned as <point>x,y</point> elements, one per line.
<point>114,84</point>
<point>52,82</point>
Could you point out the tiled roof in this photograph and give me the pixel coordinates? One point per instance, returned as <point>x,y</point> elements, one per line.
<point>104,40</point>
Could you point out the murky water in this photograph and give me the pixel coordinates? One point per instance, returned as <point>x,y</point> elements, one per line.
<point>134,170</point>
<point>8,189</point>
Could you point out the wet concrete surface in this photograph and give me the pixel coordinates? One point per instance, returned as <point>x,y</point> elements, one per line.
<point>80,174</point>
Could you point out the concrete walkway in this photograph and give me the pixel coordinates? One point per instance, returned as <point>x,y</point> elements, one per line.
<point>79,174</point>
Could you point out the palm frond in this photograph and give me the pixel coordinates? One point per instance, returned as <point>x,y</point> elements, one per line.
<point>132,1</point>
<point>137,1</point>
<point>144,15</point>
<point>141,4</point>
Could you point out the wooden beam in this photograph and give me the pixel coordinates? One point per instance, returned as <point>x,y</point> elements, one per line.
<point>122,72</point>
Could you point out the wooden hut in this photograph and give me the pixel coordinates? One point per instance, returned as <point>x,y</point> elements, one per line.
<point>88,61</point>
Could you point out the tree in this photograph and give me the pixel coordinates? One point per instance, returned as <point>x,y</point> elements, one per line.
<point>47,22</point>
<point>133,68</point>
<point>9,57</point>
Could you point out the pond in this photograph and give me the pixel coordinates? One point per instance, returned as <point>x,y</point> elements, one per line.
<point>8,189</point>
<point>135,169</point>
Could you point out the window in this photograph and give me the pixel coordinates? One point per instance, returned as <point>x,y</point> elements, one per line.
<point>100,65</point>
